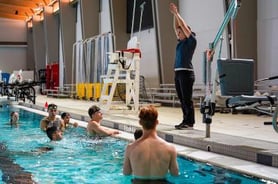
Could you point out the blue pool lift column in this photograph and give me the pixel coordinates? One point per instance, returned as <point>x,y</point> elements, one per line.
<point>208,105</point>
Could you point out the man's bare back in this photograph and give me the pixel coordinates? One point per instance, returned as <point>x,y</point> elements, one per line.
<point>150,157</point>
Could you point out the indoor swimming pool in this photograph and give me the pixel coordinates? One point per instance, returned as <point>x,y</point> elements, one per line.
<point>27,154</point>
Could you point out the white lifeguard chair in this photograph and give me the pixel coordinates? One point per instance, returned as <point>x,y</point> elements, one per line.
<point>124,67</point>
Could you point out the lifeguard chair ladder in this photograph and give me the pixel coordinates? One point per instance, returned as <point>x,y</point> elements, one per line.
<point>124,67</point>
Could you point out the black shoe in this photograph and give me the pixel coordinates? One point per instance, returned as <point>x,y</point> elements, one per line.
<point>183,126</point>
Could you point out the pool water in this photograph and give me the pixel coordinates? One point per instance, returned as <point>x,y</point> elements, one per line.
<point>80,159</point>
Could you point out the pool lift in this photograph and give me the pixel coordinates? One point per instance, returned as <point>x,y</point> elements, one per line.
<point>240,101</point>
<point>124,68</point>
<point>208,105</point>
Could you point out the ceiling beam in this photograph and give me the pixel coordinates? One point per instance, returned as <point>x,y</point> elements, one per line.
<point>24,3</point>
<point>20,9</point>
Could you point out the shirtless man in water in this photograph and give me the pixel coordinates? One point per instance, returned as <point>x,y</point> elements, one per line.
<point>93,127</point>
<point>150,158</point>
<point>54,134</point>
<point>66,120</point>
<point>14,118</point>
<point>51,119</point>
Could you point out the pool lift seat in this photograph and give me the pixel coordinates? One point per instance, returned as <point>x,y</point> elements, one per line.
<point>236,80</point>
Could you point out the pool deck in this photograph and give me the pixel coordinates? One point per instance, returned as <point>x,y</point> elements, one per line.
<point>239,142</point>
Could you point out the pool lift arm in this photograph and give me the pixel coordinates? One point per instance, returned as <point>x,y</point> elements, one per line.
<point>208,105</point>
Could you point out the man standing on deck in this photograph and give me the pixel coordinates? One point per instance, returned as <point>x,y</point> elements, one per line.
<point>184,72</point>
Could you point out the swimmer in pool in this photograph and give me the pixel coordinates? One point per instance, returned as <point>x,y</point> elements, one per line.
<point>54,134</point>
<point>14,118</point>
<point>66,120</point>
<point>51,119</point>
<point>150,148</point>
<point>94,127</point>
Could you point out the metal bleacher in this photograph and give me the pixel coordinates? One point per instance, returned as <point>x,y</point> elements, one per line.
<point>60,92</point>
<point>166,94</point>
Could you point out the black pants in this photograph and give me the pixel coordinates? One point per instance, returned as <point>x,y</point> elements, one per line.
<point>184,81</point>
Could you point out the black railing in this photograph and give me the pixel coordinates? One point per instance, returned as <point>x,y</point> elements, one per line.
<point>20,91</point>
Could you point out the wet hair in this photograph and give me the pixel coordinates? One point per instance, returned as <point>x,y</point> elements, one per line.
<point>92,110</point>
<point>50,131</point>
<point>52,106</point>
<point>148,116</point>
<point>12,113</point>
<point>11,116</point>
<point>64,114</point>
<point>138,133</point>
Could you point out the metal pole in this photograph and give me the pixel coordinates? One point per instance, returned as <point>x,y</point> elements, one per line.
<point>141,15</point>
<point>133,15</point>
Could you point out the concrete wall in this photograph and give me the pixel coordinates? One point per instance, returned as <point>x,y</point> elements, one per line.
<point>67,19</point>
<point>267,38</point>
<point>39,43</point>
<point>90,18</point>
<point>245,32</point>
<point>12,57</point>
<point>51,27</point>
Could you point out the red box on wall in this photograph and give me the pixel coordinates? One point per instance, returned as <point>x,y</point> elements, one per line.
<point>52,76</point>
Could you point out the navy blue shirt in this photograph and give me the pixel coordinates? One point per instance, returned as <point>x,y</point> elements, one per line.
<point>184,53</point>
